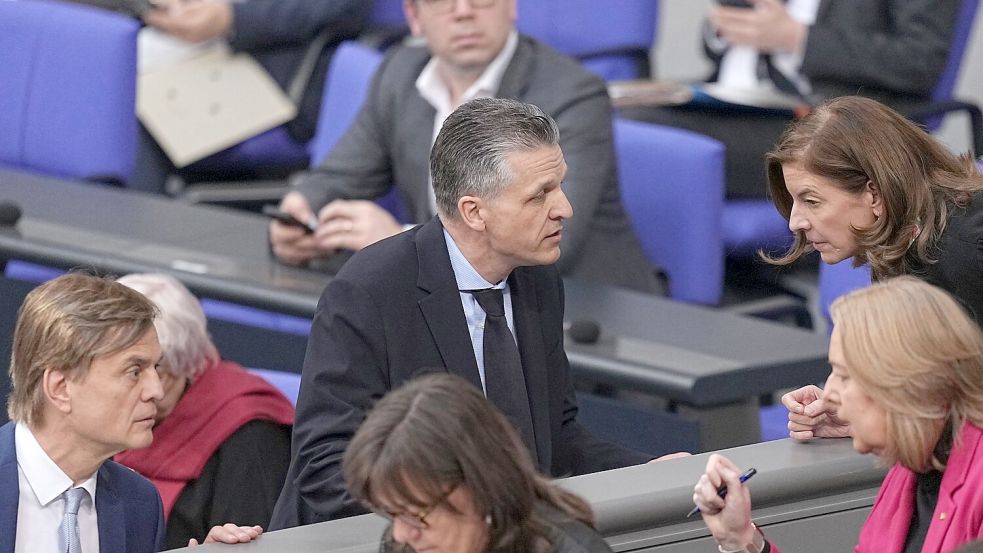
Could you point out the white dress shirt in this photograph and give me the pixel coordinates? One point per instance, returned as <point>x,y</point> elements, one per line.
<point>739,66</point>
<point>433,89</point>
<point>41,503</point>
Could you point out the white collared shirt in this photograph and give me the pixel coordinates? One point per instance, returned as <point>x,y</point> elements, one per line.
<point>738,68</point>
<point>41,503</point>
<point>435,91</point>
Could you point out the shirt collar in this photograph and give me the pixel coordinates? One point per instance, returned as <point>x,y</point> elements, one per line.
<point>435,92</point>
<point>45,477</point>
<point>465,274</point>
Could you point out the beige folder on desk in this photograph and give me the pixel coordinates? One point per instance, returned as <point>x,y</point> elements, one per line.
<point>202,105</point>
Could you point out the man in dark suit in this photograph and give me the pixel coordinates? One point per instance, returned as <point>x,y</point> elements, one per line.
<point>85,387</point>
<point>410,304</point>
<point>471,50</point>
<point>891,50</point>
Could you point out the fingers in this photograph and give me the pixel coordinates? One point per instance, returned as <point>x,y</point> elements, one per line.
<point>668,456</point>
<point>796,400</point>
<point>192,542</point>
<point>292,245</point>
<point>354,224</point>
<point>232,533</point>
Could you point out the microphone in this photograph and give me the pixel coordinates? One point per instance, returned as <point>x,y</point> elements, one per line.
<point>583,332</point>
<point>9,213</point>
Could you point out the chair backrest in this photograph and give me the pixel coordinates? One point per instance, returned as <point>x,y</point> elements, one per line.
<point>345,90</point>
<point>67,90</point>
<point>960,40</point>
<point>672,186</point>
<point>387,13</point>
<point>839,279</point>
<point>612,39</point>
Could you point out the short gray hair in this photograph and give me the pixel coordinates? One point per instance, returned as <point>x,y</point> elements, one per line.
<point>181,326</point>
<point>469,155</point>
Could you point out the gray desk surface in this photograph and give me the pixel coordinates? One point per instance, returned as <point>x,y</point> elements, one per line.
<point>644,506</point>
<point>690,354</point>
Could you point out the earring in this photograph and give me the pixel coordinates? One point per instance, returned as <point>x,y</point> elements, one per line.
<point>488,520</point>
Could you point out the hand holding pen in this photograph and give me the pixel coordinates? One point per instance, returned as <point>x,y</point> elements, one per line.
<point>725,503</point>
<point>722,488</point>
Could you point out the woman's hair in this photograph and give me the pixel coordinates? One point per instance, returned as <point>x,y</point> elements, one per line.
<point>914,351</point>
<point>852,141</point>
<point>439,432</point>
<point>181,325</point>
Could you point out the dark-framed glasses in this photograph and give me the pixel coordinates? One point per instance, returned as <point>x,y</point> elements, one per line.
<point>417,520</point>
<point>447,6</point>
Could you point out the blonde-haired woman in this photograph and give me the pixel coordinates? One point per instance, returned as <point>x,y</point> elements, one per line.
<point>908,380</point>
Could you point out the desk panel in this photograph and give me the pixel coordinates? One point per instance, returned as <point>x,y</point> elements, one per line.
<point>713,364</point>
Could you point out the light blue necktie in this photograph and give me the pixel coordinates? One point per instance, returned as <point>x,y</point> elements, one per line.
<point>70,522</point>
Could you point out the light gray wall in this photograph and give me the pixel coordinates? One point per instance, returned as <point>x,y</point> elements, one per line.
<point>679,56</point>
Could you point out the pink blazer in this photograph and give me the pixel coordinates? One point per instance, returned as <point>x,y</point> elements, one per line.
<point>958,515</point>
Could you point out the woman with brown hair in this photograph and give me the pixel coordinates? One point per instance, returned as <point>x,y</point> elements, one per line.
<point>452,475</point>
<point>906,377</point>
<point>856,179</point>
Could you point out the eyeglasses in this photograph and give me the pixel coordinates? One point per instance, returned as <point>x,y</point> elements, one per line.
<point>447,6</point>
<point>417,520</point>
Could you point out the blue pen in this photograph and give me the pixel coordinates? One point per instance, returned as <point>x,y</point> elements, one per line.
<point>722,490</point>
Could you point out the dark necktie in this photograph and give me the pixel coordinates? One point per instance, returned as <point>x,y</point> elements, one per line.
<point>505,384</point>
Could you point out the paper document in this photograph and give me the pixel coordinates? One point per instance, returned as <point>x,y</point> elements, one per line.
<point>204,104</point>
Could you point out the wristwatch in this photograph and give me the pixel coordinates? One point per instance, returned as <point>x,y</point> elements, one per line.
<point>758,544</point>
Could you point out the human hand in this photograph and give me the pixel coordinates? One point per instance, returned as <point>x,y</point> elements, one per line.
<point>353,224</point>
<point>728,518</point>
<point>292,244</point>
<point>766,26</point>
<point>670,456</point>
<point>229,533</point>
<point>194,21</point>
<point>811,417</point>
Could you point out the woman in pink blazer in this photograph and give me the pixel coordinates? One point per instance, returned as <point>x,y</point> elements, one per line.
<point>907,379</point>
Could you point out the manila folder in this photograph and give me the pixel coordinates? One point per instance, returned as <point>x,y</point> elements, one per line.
<point>202,105</point>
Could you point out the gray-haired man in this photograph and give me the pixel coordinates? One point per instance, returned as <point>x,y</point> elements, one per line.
<point>415,303</point>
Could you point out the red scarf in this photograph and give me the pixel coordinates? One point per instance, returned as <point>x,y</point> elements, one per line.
<point>220,401</point>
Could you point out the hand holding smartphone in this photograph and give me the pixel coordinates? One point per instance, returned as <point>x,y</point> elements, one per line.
<point>274,212</point>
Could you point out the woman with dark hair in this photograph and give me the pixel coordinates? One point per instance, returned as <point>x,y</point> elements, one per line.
<point>906,377</point>
<point>856,179</point>
<point>452,475</point>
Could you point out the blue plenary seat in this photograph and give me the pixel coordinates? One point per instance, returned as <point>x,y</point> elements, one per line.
<point>612,39</point>
<point>68,81</point>
<point>345,89</point>
<point>672,186</point>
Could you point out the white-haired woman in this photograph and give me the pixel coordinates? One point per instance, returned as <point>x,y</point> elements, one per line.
<point>222,439</point>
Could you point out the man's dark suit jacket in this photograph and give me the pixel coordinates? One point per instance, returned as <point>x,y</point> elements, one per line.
<point>128,508</point>
<point>390,141</point>
<point>394,312</point>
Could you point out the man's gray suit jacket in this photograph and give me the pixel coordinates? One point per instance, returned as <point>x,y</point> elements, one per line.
<point>389,143</point>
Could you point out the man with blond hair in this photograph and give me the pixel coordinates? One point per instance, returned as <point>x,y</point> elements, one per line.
<point>84,387</point>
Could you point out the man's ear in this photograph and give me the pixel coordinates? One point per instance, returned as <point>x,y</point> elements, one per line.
<point>469,210</point>
<point>412,17</point>
<point>876,199</point>
<point>54,384</point>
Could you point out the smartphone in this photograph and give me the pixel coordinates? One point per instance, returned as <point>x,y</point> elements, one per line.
<point>274,212</point>
<point>735,3</point>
